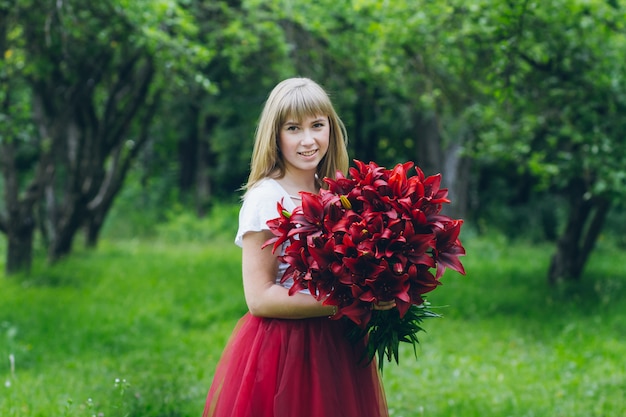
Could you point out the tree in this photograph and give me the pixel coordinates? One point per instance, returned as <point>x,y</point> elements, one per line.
<point>559,79</point>
<point>20,192</point>
<point>94,73</point>
<point>402,72</point>
<point>216,126</point>
<point>541,85</point>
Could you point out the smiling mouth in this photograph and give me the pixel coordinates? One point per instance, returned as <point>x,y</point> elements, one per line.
<point>308,153</point>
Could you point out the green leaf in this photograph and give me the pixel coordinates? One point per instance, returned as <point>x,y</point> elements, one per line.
<point>386,330</point>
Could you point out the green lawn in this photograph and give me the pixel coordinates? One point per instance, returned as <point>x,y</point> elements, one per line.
<point>136,328</point>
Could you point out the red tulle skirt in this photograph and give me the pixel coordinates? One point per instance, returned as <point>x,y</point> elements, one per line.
<point>294,368</point>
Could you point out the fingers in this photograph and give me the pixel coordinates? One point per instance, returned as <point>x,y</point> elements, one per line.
<point>384,305</point>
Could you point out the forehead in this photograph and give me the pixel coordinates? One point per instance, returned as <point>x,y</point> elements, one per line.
<point>299,106</point>
<point>301,114</point>
<point>304,118</point>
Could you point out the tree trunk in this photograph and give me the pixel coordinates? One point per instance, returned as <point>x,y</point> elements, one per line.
<point>72,218</point>
<point>20,244</point>
<point>456,176</point>
<point>428,145</point>
<point>584,224</point>
<point>205,162</point>
<point>98,208</point>
<point>93,227</point>
<point>188,150</point>
<point>19,221</point>
<point>364,141</point>
<point>92,153</point>
<point>434,158</point>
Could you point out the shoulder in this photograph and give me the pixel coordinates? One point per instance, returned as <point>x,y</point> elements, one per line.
<point>260,204</point>
<point>265,194</point>
<point>265,188</point>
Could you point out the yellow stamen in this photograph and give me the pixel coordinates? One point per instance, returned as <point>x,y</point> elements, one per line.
<point>345,202</point>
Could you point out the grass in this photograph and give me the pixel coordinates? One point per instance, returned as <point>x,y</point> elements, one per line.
<point>136,328</point>
<point>510,346</point>
<point>153,314</point>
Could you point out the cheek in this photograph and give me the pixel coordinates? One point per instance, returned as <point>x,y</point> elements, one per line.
<point>282,141</point>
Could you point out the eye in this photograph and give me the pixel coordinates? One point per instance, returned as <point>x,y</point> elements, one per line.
<point>292,128</point>
<point>318,125</point>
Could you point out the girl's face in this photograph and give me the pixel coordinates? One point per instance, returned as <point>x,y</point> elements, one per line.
<point>303,143</point>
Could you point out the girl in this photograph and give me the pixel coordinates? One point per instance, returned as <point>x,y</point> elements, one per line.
<point>286,358</point>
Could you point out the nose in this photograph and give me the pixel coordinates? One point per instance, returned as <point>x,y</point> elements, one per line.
<point>308,137</point>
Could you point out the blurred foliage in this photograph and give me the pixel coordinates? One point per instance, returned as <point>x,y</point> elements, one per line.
<point>559,86</point>
<point>530,94</point>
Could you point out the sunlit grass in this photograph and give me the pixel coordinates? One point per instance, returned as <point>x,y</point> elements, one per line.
<point>157,312</point>
<point>156,315</point>
<point>511,346</point>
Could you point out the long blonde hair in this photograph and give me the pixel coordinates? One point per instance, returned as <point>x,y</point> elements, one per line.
<point>295,98</point>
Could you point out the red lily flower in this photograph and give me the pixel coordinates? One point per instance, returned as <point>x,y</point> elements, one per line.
<point>280,226</point>
<point>449,248</point>
<point>372,237</point>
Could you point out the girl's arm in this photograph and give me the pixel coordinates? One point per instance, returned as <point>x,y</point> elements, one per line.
<point>264,297</point>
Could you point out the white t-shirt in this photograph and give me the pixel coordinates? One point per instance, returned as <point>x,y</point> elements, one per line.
<point>259,206</point>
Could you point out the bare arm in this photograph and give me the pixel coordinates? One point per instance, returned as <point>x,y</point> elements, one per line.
<point>264,297</point>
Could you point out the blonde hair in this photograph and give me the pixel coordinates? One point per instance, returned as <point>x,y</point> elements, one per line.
<point>295,98</point>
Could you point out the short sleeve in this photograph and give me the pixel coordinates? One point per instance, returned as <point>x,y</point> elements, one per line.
<point>259,206</point>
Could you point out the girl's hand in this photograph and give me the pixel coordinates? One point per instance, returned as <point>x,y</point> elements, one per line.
<point>384,305</point>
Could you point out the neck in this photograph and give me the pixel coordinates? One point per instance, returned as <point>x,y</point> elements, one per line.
<point>294,184</point>
<point>300,182</point>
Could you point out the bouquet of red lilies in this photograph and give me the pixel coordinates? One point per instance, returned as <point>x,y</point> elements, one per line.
<point>375,236</point>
